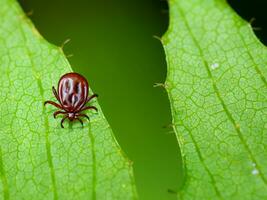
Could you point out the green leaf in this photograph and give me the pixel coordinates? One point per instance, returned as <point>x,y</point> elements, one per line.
<point>217,88</point>
<point>39,159</point>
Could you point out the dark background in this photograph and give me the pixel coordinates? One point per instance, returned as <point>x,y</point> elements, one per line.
<point>253,9</point>
<point>113,46</point>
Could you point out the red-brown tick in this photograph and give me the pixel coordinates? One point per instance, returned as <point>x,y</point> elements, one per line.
<point>72,95</point>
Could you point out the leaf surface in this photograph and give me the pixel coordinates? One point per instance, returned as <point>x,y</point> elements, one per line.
<point>216,84</point>
<point>39,159</point>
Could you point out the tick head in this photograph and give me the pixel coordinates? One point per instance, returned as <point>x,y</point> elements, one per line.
<point>71,116</point>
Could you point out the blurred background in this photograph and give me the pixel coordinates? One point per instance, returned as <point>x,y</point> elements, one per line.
<point>112,44</point>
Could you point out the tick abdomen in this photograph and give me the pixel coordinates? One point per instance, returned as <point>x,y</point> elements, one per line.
<point>72,92</point>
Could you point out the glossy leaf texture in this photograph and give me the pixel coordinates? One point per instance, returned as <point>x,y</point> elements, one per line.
<point>216,83</point>
<point>39,159</point>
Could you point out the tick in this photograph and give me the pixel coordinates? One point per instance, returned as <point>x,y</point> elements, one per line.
<point>72,95</point>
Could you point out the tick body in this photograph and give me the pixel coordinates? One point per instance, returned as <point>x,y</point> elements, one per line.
<point>72,96</point>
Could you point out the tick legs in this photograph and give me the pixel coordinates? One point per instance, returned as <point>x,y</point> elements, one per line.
<point>79,120</point>
<point>53,103</point>
<point>82,115</point>
<point>91,97</point>
<point>55,93</point>
<point>58,112</point>
<point>66,116</point>
<point>82,108</point>
<point>88,108</point>
<point>63,119</point>
<point>76,118</point>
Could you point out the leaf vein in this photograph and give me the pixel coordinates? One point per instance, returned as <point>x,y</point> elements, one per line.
<point>216,90</point>
<point>3,177</point>
<point>46,123</point>
<point>92,140</point>
<point>194,142</point>
<point>204,164</point>
<point>257,69</point>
